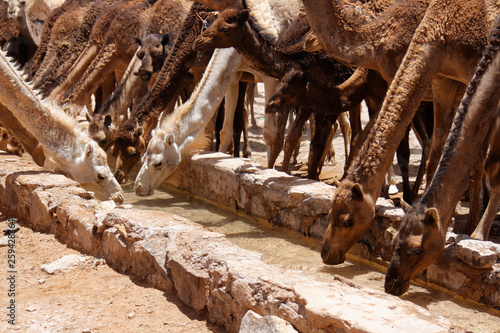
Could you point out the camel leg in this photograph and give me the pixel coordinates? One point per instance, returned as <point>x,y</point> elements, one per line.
<point>250,97</point>
<point>445,100</point>
<point>239,119</point>
<point>270,85</point>
<point>347,133</point>
<point>403,157</point>
<point>318,143</point>
<point>294,134</point>
<point>219,120</point>
<point>277,145</point>
<point>475,183</point>
<point>231,100</point>
<point>355,121</point>
<point>422,126</point>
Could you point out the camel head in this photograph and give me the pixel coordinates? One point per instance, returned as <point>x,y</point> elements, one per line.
<point>102,130</point>
<point>290,92</point>
<point>161,159</point>
<point>15,8</point>
<point>89,167</point>
<point>153,50</point>
<point>417,244</point>
<point>128,147</point>
<point>350,217</point>
<point>226,31</point>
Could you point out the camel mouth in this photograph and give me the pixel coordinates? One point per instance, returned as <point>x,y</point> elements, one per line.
<point>118,199</point>
<point>120,176</point>
<point>200,45</point>
<point>395,285</point>
<point>332,257</point>
<point>144,75</point>
<point>143,191</point>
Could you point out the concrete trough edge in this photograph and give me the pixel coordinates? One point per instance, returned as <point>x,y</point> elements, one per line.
<point>204,269</point>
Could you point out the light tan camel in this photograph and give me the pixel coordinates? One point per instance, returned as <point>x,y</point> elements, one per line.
<point>66,147</point>
<point>421,237</point>
<point>443,52</point>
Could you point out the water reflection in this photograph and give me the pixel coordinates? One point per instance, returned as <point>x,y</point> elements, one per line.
<point>288,249</point>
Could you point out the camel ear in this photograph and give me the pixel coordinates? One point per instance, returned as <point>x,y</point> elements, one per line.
<point>165,39</point>
<point>88,116</point>
<point>89,151</point>
<point>431,216</point>
<point>107,121</point>
<point>139,131</point>
<point>170,139</point>
<point>357,192</point>
<point>243,18</point>
<point>138,41</point>
<point>404,205</point>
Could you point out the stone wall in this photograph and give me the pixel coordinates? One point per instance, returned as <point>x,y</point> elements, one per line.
<point>204,269</point>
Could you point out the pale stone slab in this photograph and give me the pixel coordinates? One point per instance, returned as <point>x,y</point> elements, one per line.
<point>64,264</point>
<point>254,323</point>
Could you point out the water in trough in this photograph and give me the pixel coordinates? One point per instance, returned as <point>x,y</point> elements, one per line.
<point>293,251</point>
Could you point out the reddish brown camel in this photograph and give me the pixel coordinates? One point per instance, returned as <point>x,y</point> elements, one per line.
<point>421,237</point>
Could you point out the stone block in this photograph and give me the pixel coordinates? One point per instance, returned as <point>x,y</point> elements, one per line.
<point>254,323</point>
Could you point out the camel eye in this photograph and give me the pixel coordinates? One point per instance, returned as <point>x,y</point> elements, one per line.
<point>346,221</point>
<point>414,252</point>
<point>100,177</point>
<point>224,29</point>
<point>157,165</point>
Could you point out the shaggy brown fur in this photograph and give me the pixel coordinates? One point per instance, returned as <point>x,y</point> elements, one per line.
<point>41,52</point>
<point>428,220</point>
<point>62,35</point>
<point>114,54</point>
<point>61,65</point>
<point>128,147</point>
<point>75,66</point>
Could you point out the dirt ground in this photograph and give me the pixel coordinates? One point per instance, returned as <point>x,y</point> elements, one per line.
<point>95,298</point>
<point>90,298</point>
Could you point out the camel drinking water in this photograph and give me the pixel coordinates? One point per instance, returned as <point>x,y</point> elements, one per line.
<point>421,237</point>
<point>66,147</point>
<point>441,54</point>
<point>181,133</point>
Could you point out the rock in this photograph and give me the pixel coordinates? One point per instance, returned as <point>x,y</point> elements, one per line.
<point>4,241</point>
<point>476,253</point>
<point>255,323</point>
<point>385,208</point>
<point>64,264</point>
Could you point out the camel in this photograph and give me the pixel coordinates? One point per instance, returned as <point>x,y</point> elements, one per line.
<point>179,133</point>
<point>421,237</point>
<point>445,64</point>
<point>131,135</point>
<point>9,144</point>
<point>67,149</point>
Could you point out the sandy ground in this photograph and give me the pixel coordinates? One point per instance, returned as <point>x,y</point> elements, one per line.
<point>90,298</point>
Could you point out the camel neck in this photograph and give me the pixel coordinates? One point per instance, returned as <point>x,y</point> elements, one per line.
<point>261,54</point>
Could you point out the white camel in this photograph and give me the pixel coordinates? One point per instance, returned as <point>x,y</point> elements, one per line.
<point>67,149</point>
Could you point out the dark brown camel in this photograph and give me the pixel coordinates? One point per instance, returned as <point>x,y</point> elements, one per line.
<point>421,237</point>
<point>232,29</point>
<point>130,141</point>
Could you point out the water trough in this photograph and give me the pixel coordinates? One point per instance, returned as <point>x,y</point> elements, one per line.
<point>211,274</point>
